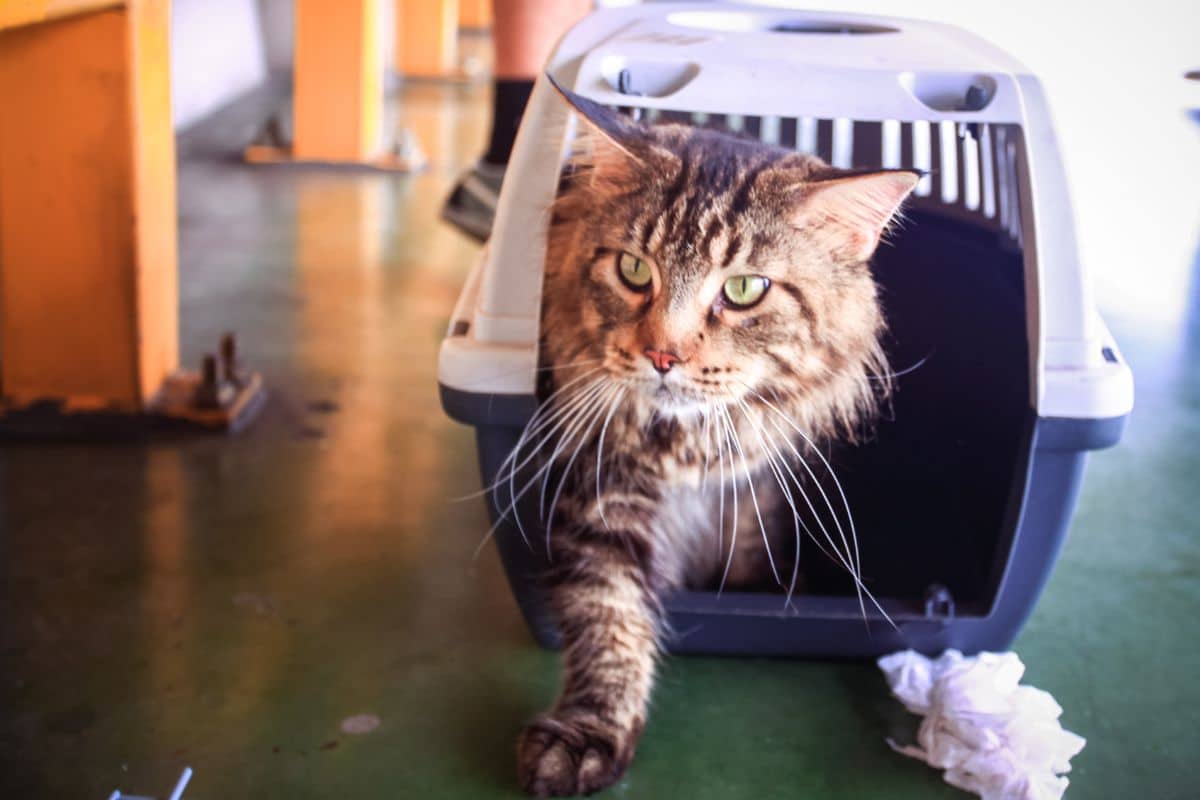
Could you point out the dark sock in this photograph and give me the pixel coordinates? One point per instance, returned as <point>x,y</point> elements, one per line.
<point>508,104</point>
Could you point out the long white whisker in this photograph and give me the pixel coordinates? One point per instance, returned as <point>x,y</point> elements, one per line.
<point>594,416</point>
<point>797,522</point>
<point>733,533</point>
<point>721,495</point>
<point>753,495</point>
<point>578,401</point>
<point>596,396</point>
<point>891,375</point>
<point>833,514</point>
<point>545,413</point>
<point>837,483</point>
<point>704,411</point>
<point>856,573</point>
<point>847,560</point>
<point>515,496</point>
<point>600,452</point>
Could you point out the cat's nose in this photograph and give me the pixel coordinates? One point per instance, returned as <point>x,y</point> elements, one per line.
<point>661,359</point>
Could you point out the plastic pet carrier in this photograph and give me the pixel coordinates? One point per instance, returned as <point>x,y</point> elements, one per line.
<point>963,497</point>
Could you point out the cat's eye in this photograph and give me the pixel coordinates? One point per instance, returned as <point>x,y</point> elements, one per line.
<point>743,291</point>
<point>634,272</point>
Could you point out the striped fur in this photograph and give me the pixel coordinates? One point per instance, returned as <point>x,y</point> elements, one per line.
<point>646,501</point>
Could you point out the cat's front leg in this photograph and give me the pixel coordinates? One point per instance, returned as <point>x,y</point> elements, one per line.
<point>608,614</point>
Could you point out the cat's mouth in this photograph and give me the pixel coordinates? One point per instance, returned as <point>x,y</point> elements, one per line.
<point>675,400</point>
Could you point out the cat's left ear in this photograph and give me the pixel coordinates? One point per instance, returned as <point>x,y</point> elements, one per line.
<point>615,140</point>
<point>850,211</point>
<point>616,129</point>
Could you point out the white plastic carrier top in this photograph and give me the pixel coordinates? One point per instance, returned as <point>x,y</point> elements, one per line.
<point>911,93</point>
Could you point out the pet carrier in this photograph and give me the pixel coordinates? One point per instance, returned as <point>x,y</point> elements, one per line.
<point>963,498</point>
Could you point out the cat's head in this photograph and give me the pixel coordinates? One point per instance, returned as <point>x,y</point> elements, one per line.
<point>699,269</point>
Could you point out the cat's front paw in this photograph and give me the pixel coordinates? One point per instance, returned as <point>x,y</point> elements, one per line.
<point>561,757</point>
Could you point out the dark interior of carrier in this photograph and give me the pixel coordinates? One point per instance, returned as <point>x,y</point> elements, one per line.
<point>936,492</point>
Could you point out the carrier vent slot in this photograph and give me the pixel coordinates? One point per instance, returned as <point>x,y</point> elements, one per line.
<point>825,140</point>
<point>970,168</point>
<point>868,147</point>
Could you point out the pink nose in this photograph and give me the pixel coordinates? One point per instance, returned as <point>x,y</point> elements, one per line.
<point>661,359</point>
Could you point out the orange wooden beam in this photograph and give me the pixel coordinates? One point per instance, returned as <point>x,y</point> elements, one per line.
<point>88,293</point>
<point>475,14</point>
<point>338,81</point>
<point>427,38</point>
<point>27,12</point>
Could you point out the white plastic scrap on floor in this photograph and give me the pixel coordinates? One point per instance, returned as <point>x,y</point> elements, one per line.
<point>176,793</point>
<point>992,736</point>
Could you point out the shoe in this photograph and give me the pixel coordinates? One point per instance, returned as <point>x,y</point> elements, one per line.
<point>471,206</point>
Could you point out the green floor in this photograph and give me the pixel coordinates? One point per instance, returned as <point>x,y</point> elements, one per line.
<point>225,604</point>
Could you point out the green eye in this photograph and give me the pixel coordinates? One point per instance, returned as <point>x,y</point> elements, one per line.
<point>634,272</point>
<point>743,291</point>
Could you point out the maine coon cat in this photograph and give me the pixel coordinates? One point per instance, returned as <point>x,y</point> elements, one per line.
<point>709,323</point>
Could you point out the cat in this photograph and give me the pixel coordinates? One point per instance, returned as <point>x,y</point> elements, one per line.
<point>709,322</point>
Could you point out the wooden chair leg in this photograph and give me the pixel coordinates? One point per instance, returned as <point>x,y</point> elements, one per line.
<point>426,38</point>
<point>88,266</point>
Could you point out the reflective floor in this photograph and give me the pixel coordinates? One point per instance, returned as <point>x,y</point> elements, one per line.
<point>227,604</point>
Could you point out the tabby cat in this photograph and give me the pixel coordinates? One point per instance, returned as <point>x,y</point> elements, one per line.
<point>709,323</point>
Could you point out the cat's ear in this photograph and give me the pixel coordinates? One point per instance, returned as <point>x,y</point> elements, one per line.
<point>617,130</point>
<point>615,142</point>
<point>850,211</point>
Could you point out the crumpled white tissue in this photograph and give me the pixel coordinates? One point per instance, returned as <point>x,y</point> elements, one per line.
<point>992,737</point>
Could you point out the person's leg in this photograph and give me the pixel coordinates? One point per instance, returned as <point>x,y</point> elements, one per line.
<point>523,34</point>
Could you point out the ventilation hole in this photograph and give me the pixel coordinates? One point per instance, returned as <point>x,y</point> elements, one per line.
<point>825,139</point>
<point>744,22</point>
<point>834,27</point>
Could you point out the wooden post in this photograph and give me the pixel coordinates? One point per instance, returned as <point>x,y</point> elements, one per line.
<point>338,81</point>
<point>87,206</point>
<point>338,93</point>
<point>475,14</point>
<point>88,266</point>
<point>426,38</point>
